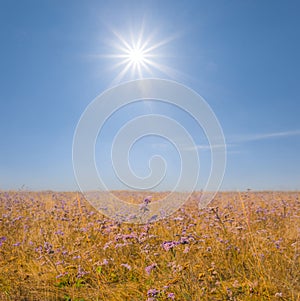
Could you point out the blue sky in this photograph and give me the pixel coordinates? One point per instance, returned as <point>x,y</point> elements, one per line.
<point>241,56</point>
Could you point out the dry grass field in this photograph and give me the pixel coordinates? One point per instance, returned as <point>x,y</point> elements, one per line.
<point>244,246</point>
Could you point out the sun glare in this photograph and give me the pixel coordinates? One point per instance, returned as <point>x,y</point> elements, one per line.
<point>137,57</point>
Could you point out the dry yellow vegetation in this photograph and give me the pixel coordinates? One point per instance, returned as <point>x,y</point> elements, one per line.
<point>244,246</point>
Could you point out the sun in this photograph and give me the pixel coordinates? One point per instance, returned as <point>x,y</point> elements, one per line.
<point>138,56</point>
<point>135,56</point>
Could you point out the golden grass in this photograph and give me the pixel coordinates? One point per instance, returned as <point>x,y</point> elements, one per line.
<point>55,246</point>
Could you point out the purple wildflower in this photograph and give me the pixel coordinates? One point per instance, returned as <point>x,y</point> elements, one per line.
<point>171,296</point>
<point>126,265</point>
<point>48,247</point>
<point>105,262</point>
<point>147,200</point>
<point>150,267</point>
<point>39,249</point>
<point>81,272</point>
<point>146,228</point>
<point>120,245</point>
<point>144,207</point>
<point>153,292</point>
<point>17,219</point>
<point>61,275</point>
<point>107,245</point>
<point>186,250</point>
<point>278,242</point>
<point>168,245</point>
<point>2,239</point>
<point>184,240</point>
<point>128,236</point>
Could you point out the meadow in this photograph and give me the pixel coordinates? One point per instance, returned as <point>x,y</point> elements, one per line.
<point>243,246</point>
